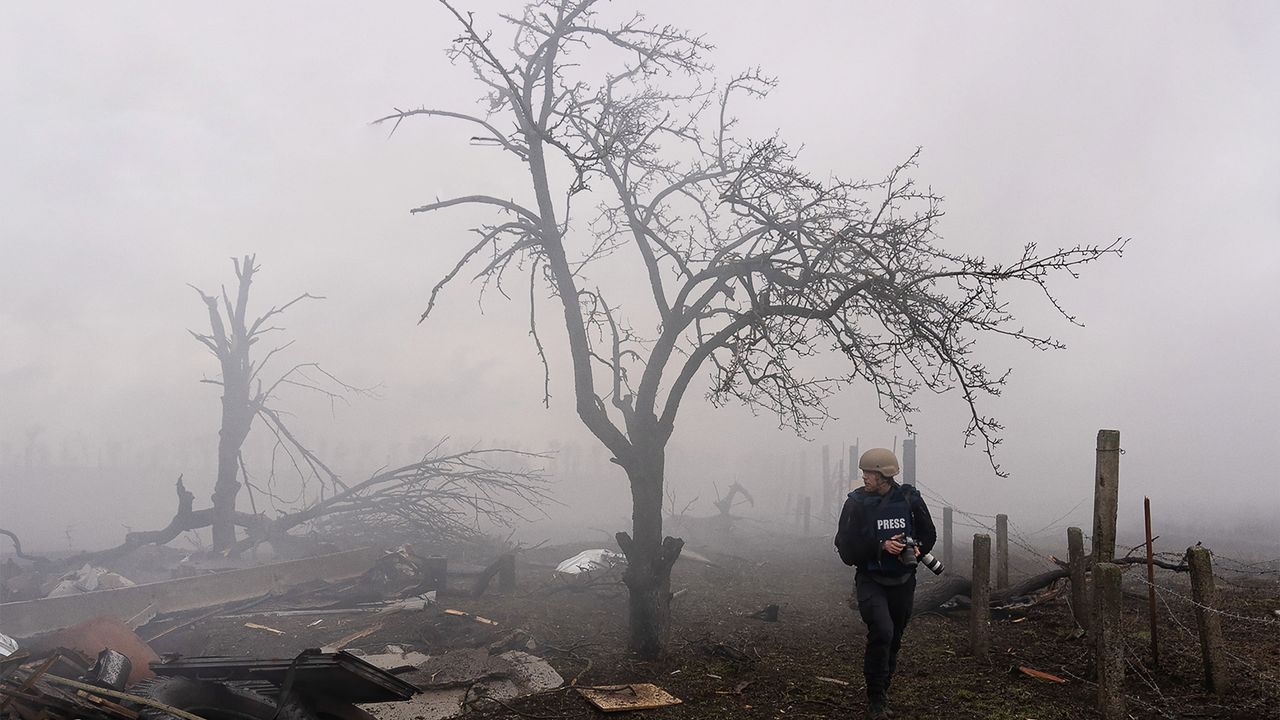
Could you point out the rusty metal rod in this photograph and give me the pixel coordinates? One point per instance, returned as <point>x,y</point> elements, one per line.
<point>1151,587</point>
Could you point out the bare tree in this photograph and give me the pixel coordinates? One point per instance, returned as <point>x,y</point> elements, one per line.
<point>246,397</point>
<point>751,264</point>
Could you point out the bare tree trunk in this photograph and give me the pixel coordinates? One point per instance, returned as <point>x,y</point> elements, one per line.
<point>237,417</point>
<point>649,557</point>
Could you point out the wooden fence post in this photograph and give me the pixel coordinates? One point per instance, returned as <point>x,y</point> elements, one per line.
<point>1106,495</point>
<point>1108,639</point>
<point>947,555</point>
<point>1076,564</point>
<point>980,598</point>
<point>808,513</point>
<point>1205,596</point>
<point>1002,552</point>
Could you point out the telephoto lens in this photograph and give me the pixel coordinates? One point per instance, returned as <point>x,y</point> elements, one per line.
<point>931,562</point>
<point>910,556</point>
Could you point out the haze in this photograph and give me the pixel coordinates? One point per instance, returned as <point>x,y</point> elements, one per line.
<point>144,144</point>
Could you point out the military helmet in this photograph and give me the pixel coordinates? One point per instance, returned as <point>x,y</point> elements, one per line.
<point>881,460</point>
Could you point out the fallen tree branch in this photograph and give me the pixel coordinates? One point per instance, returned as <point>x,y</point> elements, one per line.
<point>933,595</point>
<point>441,498</point>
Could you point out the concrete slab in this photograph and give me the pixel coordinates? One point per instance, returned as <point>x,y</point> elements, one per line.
<point>32,617</point>
<point>461,676</point>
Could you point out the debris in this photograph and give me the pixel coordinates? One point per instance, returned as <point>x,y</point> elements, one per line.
<point>338,675</point>
<point>339,645</point>
<point>589,561</point>
<point>455,681</point>
<point>768,614</point>
<point>256,626</point>
<point>1040,675</point>
<point>86,688</point>
<point>111,670</point>
<point>504,568</point>
<point>147,614</point>
<point>477,618</point>
<point>33,617</point>
<point>417,602</point>
<point>317,622</point>
<point>402,572</point>
<point>395,659</point>
<point>687,554</point>
<point>635,696</point>
<point>8,645</point>
<point>92,637</point>
<point>88,579</point>
<point>833,681</point>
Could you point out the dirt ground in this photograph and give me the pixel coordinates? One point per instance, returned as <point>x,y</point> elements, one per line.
<point>724,663</point>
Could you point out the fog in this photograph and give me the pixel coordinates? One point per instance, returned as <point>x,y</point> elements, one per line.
<point>145,144</point>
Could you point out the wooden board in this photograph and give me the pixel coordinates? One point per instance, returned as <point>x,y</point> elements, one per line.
<point>636,696</point>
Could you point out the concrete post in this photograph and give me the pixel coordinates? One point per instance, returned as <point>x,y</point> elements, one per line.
<point>980,595</point>
<point>1108,639</point>
<point>1002,552</point>
<point>827,491</point>
<point>909,461</point>
<point>855,474</point>
<point>1076,564</point>
<point>507,572</point>
<point>1208,622</point>
<point>947,555</point>
<point>1106,496</point>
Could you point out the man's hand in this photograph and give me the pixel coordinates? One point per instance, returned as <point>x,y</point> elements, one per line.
<point>893,545</point>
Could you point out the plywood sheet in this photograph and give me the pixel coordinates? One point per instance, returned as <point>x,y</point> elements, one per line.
<point>635,696</point>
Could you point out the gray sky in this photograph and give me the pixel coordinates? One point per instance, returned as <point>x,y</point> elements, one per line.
<point>144,144</point>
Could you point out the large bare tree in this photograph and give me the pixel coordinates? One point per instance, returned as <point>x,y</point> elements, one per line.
<point>749,263</point>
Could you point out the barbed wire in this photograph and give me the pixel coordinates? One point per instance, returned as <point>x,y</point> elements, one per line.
<point>1196,637</point>
<point>1202,606</point>
<point>1014,538</point>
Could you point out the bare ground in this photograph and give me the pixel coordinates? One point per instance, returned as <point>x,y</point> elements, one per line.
<point>723,663</point>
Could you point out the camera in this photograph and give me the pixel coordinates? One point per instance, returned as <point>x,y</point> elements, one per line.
<point>910,556</point>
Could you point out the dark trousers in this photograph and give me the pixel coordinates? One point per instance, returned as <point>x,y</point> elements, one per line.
<point>885,610</point>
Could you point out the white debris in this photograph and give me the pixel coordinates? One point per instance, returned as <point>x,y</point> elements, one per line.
<point>589,561</point>
<point>88,579</point>
<point>8,645</point>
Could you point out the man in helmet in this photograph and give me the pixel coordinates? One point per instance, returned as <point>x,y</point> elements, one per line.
<point>876,520</point>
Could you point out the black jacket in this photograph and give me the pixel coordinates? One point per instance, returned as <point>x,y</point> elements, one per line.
<point>856,537</point>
